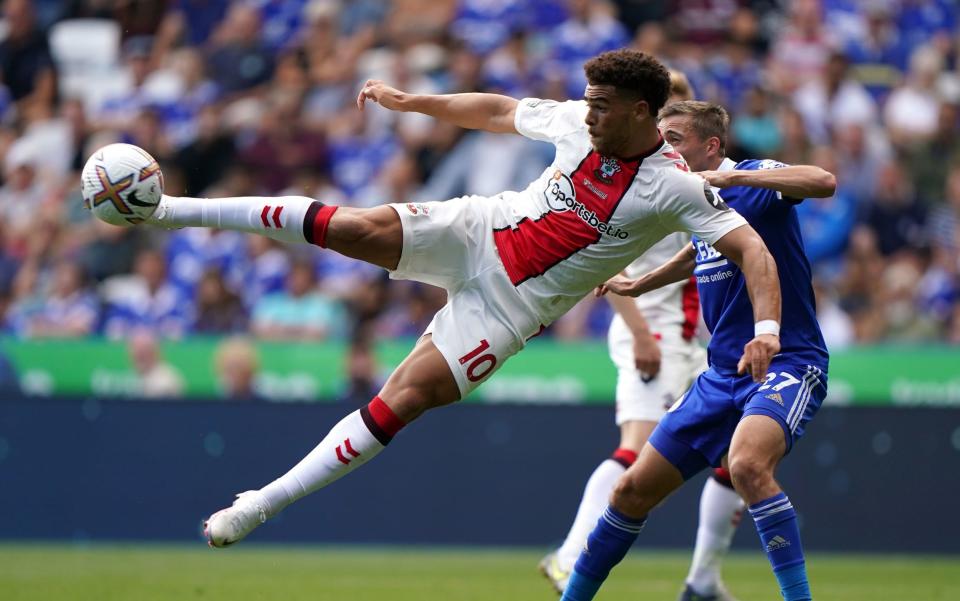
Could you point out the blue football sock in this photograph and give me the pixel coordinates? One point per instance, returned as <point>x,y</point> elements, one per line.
<point>777,524</point>
<point>606,547</point>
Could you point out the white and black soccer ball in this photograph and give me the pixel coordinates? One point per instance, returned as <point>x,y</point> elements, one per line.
<point>122,184</point>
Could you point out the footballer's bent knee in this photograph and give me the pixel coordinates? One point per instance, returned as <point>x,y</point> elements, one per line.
<point>750,473</point>
<point>631,498</point>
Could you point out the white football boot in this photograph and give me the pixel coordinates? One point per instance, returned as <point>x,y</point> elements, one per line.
<point>232,524</point>
<point>553,571</point>
<point>161,216</point>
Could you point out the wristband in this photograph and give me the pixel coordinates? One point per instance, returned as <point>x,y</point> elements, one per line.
<point>766,326</point>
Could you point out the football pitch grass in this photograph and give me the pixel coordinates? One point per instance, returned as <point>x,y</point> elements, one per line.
<point>50,572</point>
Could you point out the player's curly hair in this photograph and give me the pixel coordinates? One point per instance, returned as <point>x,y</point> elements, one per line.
<point>707,119</point>
<point>631,71</point>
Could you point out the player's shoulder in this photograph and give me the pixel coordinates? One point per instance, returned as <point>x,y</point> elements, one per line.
<point>679,190</point>
<point>674,175</point>
<point>757,164</point>
<point>544,118</point>
<point>546,105</point>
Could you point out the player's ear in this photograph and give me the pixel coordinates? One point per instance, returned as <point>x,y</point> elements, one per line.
<point>713,145</point>
<point>641,109</point>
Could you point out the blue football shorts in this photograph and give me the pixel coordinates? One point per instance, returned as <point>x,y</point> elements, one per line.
<point>696,432</point>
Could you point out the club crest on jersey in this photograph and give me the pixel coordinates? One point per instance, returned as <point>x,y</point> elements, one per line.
<point>608,168</point>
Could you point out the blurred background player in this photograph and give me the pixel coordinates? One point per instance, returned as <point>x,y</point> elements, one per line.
<point>511,264</point>
<point>725,416</point>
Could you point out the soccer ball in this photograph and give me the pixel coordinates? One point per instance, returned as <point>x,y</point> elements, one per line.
<point>122,184</point>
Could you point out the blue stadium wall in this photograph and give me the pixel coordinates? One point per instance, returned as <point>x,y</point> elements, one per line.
<point>864,479</point>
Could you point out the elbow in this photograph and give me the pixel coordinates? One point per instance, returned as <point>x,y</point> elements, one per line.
<point>826,184</point>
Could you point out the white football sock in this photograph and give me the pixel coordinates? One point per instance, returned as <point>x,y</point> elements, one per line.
<point>596,497</point>
<point>720,510</point>
<point>280,218</point>
<point>347,446</point>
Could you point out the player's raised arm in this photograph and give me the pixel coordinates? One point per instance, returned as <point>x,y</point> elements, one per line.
<point>677,269</point>
<point>745,248</point>
<point>792,181</point>
<point>489,112</point>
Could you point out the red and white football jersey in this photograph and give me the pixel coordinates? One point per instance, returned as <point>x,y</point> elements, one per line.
<point>674,306</point>
<point>587,216</point>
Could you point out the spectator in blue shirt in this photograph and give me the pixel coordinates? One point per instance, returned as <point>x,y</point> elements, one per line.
<point>826,223</point>
<point>69,310</point>
<point>300,312</point>
<point>146,301</point>
<point>589,31</point>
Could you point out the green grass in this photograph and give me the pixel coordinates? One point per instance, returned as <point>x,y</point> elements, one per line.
<point>38,572</point>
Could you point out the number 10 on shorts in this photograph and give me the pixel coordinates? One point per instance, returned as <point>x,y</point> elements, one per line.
<point>479,365</point>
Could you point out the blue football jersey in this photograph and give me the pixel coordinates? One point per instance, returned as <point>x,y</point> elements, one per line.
<point>727,310</point>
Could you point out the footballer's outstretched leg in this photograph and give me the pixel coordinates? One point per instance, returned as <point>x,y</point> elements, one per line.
<point>374,235</point>
<point>421,382</point>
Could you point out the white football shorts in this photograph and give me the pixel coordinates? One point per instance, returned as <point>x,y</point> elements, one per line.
<point>680,362</point>
<point>450,244</point>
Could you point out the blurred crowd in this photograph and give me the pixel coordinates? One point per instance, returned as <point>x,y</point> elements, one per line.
<point>258,97</point>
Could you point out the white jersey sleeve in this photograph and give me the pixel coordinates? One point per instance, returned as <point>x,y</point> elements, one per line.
<point>549,120</point>
<point>689,204</point>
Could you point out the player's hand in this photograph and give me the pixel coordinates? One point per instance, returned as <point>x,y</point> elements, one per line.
<point>618,284</point>
<point>381,93</point>
<point>646,355</point>
<point>757,355</point>
<point>718,179</point>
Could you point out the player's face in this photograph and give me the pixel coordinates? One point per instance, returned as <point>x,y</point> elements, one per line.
<point>611,120</point>
<point>678,131</point>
